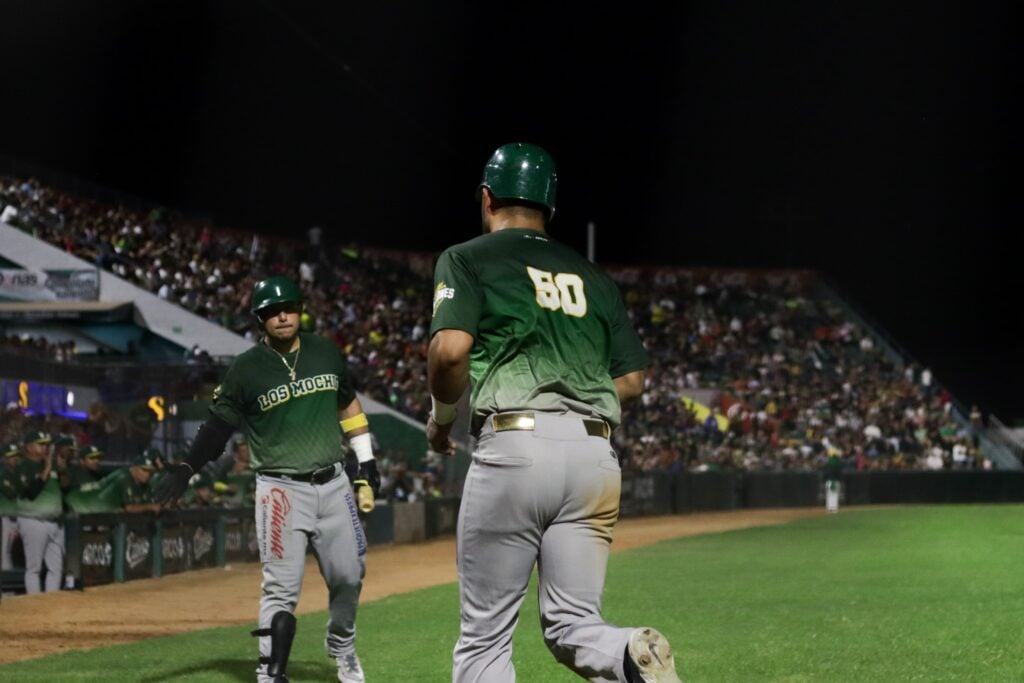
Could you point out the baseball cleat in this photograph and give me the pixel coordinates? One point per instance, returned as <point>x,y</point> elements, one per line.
<point>349,669</point>
<point>652,656</point>
<point>263,677</point>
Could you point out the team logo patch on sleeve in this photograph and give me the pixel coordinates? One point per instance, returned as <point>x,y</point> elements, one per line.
<point>442,292</point>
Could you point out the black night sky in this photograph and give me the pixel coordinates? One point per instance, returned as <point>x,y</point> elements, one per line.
<point>872,141</point>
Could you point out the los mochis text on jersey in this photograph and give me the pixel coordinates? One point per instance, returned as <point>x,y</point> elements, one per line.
<point>285,392</point>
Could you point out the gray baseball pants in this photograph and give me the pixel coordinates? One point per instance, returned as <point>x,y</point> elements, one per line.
<point>290,515</point>
<point>43,540</point>
<point>551,497</point>
<point>8,531</point>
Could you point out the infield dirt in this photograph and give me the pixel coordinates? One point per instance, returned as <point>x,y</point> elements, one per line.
<point>38,625</point>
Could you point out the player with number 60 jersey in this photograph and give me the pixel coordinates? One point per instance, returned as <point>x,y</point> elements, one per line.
<point>544,338</point>
<point>551,329</point>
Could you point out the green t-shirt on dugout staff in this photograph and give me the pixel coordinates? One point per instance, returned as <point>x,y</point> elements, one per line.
<point>292,426</point>
<point>550,329</point>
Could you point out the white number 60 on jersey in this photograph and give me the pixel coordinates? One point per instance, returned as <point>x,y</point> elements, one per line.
<point>559,291</point>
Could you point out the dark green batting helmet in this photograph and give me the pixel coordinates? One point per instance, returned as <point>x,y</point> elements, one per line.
<point>275,290</point>
<point>521,171</point>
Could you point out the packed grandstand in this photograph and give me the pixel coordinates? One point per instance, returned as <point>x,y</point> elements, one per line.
<point>750,370</point>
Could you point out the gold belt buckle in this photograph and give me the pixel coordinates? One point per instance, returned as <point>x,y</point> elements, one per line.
<point>505,422</point>
<point>597,428</point>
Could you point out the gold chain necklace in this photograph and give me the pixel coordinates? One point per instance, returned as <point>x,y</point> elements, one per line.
<point>291,368</point>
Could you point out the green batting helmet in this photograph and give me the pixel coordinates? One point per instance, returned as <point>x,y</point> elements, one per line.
<point>521,171</point>
<point>275,290</point>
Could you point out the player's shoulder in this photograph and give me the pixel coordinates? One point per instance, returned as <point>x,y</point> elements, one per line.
<point>317,342</point>
<point>469,248</point>
<point>247,356</point>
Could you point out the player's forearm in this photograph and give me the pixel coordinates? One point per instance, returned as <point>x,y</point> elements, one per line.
<point>349,416</point>
<point>209,442</point>
<point>448,383</point>
<point>356,427</point>
<point>448,365</point>
<point>630,385</point>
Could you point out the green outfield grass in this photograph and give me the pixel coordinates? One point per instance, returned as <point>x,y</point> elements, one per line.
<point>905,594</point>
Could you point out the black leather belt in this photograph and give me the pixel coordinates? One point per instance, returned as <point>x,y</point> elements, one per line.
<point>320,476</point>
<point>525,421</point>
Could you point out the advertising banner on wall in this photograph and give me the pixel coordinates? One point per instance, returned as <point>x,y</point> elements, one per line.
<point>49,285</point>
<point>97,555</point>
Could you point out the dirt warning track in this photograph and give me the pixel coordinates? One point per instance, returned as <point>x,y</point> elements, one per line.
<point>38,625</point>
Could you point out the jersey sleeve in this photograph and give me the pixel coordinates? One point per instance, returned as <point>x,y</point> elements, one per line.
<point>228,403</point>
<point>118,495</point>
<point>457,295</point>
<point>627,350</point>
<point>346,392</point>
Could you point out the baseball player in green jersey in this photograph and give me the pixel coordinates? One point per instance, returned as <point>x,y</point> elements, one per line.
<point>40,506</point>
<point>87,470</point>
<point>64,450</point>
<point>132,489</point>
<point>292,395</point>
<point>545,338</point>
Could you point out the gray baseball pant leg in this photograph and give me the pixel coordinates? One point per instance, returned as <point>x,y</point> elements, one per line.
<point>551,493</point>
<point>285,514</point>
<point>8,529</point>
<point>340,547</point>
<point>497,546</point>
<point>44,545</point>
<point>570,599</point>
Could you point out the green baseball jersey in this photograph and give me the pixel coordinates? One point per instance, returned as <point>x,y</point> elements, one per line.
<point>155,478</point>
<point>244,488</point>
<point>10,483</point>
<point>292,425</point>
<point>8,493</point>
<point>833,468</point>
<point>110,494</point>
<point>550,330</point>
<point>49,502</point>
<point>80,476</point>
<point>124,490</point>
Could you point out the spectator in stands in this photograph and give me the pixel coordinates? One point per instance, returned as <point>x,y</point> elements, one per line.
<point>103,426</point>
<point>398,484</point>
<point>792,362</point>
<point>140,424</point>
<point>40,507</point>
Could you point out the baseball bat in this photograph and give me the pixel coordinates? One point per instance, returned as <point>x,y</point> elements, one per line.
<point>364,498</point>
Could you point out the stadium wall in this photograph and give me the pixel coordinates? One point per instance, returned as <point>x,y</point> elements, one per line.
<point>107,548</point>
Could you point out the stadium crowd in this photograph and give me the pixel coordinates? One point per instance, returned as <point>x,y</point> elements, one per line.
<point>783,377</point>
<point>38,347</point>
